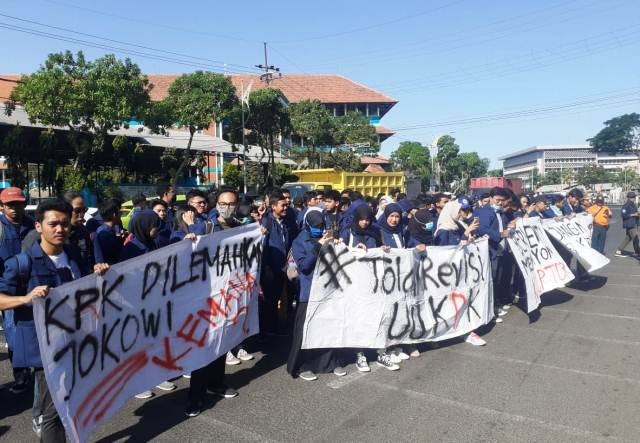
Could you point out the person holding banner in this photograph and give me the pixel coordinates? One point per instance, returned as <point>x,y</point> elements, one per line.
<point>361,233</point>
<point>30,275</point>
<point>452,231</point>
<point>420,229</point>
<point>306,248</point>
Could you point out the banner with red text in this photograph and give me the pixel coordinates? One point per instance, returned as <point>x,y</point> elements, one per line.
<point>376,299</point>
<point>104,339</point>
<point>542,267</point>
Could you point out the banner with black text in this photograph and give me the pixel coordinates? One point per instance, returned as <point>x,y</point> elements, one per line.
<point>376,299</point>
<point>574,234</point>
<point>542,267</point>
<point>104,339</point>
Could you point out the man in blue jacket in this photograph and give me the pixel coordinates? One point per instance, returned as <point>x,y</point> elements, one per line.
<point>30,275</point>
<point>277,243</point>
<point>493,224</point>
<point>630,225</point>
<point>14,227</point>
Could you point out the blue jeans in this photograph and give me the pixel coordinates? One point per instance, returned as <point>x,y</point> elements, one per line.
<point>598,238</point>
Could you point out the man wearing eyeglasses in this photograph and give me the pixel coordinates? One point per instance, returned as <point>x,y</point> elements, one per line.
<point>223,215</point>
<point>200,224</point>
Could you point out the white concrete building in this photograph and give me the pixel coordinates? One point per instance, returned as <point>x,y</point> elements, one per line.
<point>548,158</point>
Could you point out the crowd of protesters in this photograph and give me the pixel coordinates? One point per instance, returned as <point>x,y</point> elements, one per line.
<point>60,245</point>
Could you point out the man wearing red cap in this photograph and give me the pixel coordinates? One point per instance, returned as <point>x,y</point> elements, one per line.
<point>14,226</point>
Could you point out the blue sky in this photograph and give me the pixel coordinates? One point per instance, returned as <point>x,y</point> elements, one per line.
<point>556,68</point>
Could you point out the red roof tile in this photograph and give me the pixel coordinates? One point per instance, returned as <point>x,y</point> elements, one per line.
<point>382,130</point>
<point>379,160</point>
<point>7,83</point>
<point>374,169</point>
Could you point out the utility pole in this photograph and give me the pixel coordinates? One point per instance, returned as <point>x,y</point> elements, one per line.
<point>268,69</point>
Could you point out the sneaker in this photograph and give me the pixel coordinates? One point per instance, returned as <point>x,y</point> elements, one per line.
<point>400,353</point>
<point>384,360</point>
<point>498,320</point>
<point>395,358</point>
<point>502,312</point>
<point>475,340</point>
<point>308,376</point>
<point>340,371</point>
<point>516,299</point>
<point>361,363</point>
<point>166,386</point>
<point>187,376</point>
<point>244,355</point>
<point>144,395</point>
<point>36,425</point>
<point>231,359</point>
<point>224,392</point>
<point>415,353</point>
<point>193,410</point>
<point>620,254</point>
<point>506,307</point>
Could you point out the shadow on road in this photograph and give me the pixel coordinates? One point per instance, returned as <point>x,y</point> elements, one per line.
<point>593,282</point>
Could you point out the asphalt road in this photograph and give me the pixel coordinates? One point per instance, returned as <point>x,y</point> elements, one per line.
<point>570,375</point>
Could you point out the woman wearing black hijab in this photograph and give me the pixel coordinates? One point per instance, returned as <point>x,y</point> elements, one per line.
<point>306,363</point>
<point>144,229</point>
<point>420,229</point>
<point>361,233</point>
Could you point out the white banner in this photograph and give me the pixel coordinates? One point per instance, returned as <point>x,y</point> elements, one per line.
<point>377,299</point>
<point>541,265</point>
<point>574,234</point>
<point>104,339</point>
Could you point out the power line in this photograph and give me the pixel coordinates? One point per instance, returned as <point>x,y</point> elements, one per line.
<point>624,96</point>
<point>116,49</point>
<point>222,63</point>
<point>372,26</point>
<point>575,50</point>
<point>160,25</point>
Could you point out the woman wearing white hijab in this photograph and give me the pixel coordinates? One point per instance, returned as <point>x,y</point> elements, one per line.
<point>382,203</point>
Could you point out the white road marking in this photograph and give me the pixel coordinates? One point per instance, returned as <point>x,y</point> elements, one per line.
<point>493,412</point>
<point>596,314</point>
<point>487,356</point>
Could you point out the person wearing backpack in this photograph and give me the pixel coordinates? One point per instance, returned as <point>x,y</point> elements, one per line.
<point>31,274</point>
<point>14,228</point>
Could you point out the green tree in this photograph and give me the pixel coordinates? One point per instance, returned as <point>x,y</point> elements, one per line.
<point>16,147</point>
<point>448,150</point>
<point>495,172</point>
<point>194,101</point>
<point>413,158</point>
<point>552,177</point>
<point>355,128</point>
<point>466,166</point>
<point>592,174</point>
<point>343,160</point>
<point>268,119</point>
<point>232,176</point>
<point>114,91</point>
<point>311,121</point>
<point>620,134</point>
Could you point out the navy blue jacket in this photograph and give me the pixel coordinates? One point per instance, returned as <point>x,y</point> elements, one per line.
<point>331,221</point>
<point>627,209</point>
<point>42,272</point>
<point>106,245</point>
<point>277,243</point>
<point>305,253</point>
<point>366,239</point>
<point>445,237</point>
<point>164,234</point>
<point>489,226</point>
<point>133,248</point>
<point>389,240</point>
<point>12,236</point>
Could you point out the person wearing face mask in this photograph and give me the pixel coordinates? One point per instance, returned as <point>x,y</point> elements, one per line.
<point>420,229</point>
<point>223,215</point>
<point>452,231</point>
<point>305,249</point>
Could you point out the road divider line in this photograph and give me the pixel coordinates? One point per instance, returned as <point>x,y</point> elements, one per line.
<point>556,427</point>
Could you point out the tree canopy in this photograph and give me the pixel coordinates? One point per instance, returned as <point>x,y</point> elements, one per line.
<point>413,158</point>
<point>620,134</point>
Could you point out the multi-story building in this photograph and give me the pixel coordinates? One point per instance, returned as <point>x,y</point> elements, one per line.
<point>521,164</point>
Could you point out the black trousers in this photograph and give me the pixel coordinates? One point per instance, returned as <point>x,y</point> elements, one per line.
<point>272,284</point>
<point>210,376</point>
<point>315,360</point>
<point>52,429</point>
